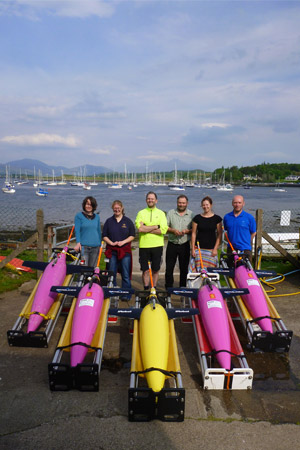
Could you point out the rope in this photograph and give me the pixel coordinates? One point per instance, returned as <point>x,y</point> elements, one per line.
<point>270,285</point>
<point>151,369</point>
<point>215,352</point>
<point>45,317</point>
<point>72,256</point>
<point>257,319</point>
<point>83,344</point>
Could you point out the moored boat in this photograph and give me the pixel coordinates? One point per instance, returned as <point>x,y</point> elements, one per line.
<point>8,190</point>
<point>41,192</point>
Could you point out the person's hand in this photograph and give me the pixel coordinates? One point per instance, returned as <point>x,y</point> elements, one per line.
<point>77,247</point>
<point>214,252</point>
<point>193,253</point>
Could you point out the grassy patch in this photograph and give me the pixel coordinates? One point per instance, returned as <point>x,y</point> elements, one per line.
<point>278,265</point>
<point>11,279</point>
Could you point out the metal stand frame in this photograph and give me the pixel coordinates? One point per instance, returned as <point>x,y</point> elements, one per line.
<point>143,404</point>
<point>259,340</point>
<point>219,378</point>
<point>18,337</point>
<point>85,376</point>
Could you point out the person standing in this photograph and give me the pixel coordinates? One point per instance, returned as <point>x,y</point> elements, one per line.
<point>118,233</point>
<point>152,225</point>
<point>88,232</point>
<point>240,227</point>
<point>179,234</point>
<point>207,230</point>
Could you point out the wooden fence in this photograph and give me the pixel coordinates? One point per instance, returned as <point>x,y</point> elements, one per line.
<point>262,234</point>
<point>37,237</point>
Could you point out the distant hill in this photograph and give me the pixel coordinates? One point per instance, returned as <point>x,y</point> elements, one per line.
<point>28,165</point>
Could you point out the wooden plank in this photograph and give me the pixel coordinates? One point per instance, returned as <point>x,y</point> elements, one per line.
<point>40,230</point>
<point>258,237</point>
<point>281,249</point>
<point>19,250</point>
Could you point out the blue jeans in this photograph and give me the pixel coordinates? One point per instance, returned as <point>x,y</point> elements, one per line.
<point>90,255</point>
<point>124,265</point>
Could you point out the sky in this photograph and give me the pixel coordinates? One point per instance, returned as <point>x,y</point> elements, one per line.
<point>212,83</point>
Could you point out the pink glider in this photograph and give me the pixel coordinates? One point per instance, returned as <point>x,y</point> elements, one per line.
<point>85,320</point>
<point>245,277</point>
<point>214,318</point>
<point>54,273</point>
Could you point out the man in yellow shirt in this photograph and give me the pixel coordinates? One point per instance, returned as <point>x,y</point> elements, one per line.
<point>152,225</point>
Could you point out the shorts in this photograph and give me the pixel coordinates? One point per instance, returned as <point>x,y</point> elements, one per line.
<point>152,254</point>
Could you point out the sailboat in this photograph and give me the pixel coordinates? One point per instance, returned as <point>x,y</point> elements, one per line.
<point>8,187</point>
<point>53,182</point>
<point>224,187</point>
<point>279,188</point>
<point>115,185</point>
<point>62,181</point>
<point>93,183</point>
<point>175,186</point>
<point>41,192</point>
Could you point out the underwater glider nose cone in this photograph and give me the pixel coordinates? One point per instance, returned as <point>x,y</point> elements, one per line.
<point>154,344</point>
<point>85,320</point>
<point>34,322</point>
<point>255,300</point>
<point>214,317</point>
<point>54,274</point>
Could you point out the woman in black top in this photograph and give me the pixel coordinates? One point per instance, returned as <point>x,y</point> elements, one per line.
<point>207,230</point>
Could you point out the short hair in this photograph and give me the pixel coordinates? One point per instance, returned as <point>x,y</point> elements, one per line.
<point>182,196</point>
<point>208,198</point>
<point>151,192</point>
<point>93,203</point>
<point>118,202</point>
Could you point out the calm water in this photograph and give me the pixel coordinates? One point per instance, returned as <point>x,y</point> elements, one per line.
<point>64,201</point>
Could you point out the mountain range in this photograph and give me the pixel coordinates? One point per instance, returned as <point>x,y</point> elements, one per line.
<point>29,165</point>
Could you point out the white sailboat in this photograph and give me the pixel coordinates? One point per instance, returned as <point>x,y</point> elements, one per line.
<point>53,182</point>
<point>40,192</point>
<point>224,187</point>
<point>62,181</point>
<point>8,187</point>
<point>93,183</point>
<point>175,186</point>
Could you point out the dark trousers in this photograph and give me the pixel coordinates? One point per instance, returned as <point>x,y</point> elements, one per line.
<point>183,253</point>
<point>247,253</point>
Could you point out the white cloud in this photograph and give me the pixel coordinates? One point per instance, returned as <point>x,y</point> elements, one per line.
<point>166,156</point>
<point>100,151</point>
<point>212,125</point>
<point>276,155</point>
<point>41,139</point>
<point>155,157</point>
<point>32,9</point>
<point>46,111</point>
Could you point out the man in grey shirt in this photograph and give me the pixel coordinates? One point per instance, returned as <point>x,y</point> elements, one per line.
<point>179,235</point>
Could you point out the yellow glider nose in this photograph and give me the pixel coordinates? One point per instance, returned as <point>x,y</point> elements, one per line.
<point>154,344</point>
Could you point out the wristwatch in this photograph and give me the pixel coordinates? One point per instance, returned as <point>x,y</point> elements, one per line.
<point>158,227</point>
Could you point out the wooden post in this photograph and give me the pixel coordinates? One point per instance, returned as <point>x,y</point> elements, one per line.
<point>40,230</point>
<point>19,250</point>
<point>281,250</point>
<point>258,237</point>
<point>49,241</point>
